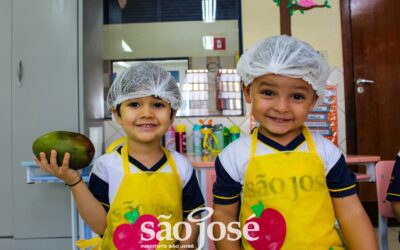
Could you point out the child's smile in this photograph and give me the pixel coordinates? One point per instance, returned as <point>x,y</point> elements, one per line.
<point>280,104</point>
<point>147,126</point>
<point>145,119</point>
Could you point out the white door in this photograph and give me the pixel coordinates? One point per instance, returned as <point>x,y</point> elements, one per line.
<point>44,98</point>
<point>5,123</point>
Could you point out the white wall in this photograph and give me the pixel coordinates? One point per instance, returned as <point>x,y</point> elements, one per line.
<point>168,39</point>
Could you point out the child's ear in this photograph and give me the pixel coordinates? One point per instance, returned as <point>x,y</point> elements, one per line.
<point>246,93</point>
<point>173,115</point>
<point>116,116</point>
<point>313,102</point>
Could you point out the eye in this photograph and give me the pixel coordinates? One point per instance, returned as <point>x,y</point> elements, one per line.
<point>298,97</point>
<point>159,105</point>
<point>267,92</point>
<point>133,104</point>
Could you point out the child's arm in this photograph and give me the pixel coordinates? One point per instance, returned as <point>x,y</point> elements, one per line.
<point>192,241</point>
<point>354,223</point>
<point>396,209</point>
<point>89,208</point>
<point>226,214</point>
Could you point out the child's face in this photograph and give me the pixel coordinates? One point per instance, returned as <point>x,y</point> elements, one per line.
<point>145,119</point>
<point>280,104</point>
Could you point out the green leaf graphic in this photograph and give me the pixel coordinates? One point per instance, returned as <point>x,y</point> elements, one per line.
<point>258,209</point>
<point>132,216</point>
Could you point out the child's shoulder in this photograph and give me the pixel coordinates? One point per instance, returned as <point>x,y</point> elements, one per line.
<point>327,150</point>
<point>181,162</point>
<point>237,146</point>
<point>322,143</point>
<point>112,156</point>
<point>108,159</point>
<point>183,166</point>
<point>179,158</point>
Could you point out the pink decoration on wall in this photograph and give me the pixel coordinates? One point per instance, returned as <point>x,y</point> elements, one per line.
<point>307,3</point>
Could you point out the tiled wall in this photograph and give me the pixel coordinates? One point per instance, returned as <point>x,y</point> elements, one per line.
<point>112,131</point>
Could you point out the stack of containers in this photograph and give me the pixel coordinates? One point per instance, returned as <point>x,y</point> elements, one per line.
<point>229,95</point>
<point>195,93</point>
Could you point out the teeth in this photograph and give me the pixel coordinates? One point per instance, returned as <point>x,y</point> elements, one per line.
<point>280,120</point>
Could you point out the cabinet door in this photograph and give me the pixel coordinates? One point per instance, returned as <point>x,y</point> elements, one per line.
<point>44,98</point>
<point>5,122</point>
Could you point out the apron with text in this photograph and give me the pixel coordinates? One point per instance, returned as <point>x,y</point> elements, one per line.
<point>293,184</point>
<point>156,193</point>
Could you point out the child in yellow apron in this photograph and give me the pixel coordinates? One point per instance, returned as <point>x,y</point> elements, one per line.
<point>299,193</point>
<point>146,197</point>
<point>281,197</point>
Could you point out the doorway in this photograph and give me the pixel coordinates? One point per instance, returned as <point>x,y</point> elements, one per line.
<point>371,61</point>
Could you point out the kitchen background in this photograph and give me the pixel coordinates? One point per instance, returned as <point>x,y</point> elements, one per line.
<point>255,25</point>
<point>52,71</point>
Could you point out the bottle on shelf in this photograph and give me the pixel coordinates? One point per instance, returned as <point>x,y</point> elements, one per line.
<point>218,130</point>
<point>234,132</point>
<point>170,138</point>
<point>226,137</point>
<point>197,139</point>
<point>180,138</point>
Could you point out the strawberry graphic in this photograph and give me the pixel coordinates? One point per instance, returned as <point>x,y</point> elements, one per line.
<point>129,236</point>
<point>272,226</point>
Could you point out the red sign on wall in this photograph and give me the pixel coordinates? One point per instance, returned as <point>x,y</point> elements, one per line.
<point>219,43</point>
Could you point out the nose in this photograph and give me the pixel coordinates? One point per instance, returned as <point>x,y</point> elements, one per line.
<point>146,111</point>
<point>281,105</point>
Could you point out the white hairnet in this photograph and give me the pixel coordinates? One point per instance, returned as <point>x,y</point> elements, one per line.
<point>141,80</point>
<point>287,56</point>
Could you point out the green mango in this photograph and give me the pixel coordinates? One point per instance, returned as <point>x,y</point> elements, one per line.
<point>79,146</point>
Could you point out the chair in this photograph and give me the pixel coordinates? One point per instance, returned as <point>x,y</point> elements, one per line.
<point>383,172</point>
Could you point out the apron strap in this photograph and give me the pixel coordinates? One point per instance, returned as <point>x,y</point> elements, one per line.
<point>309,140</point>
<point>88,243</point>
<point>125,159</point>
<point>115,144</point>
<point>306,133</point>
<point>253,142</point>
<point>170,160</point>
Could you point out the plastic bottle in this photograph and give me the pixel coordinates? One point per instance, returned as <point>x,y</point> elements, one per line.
<point>170,139</point>
<point>218,131</point>
<point>234,133</point>
<point>180,138</point>
<point>197,139</point>
<point>206,142</point>
<point>226,137</point>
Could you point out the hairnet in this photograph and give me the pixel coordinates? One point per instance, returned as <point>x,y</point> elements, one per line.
<point>287,56</point>
<point>141,80</point>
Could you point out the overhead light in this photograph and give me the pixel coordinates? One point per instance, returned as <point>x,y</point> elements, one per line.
<point>125,47</point>
<point>208,42</point>
<point>209,8</point>
<point>123,64</point>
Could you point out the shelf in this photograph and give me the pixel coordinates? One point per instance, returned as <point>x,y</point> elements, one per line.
<point>35,175</point>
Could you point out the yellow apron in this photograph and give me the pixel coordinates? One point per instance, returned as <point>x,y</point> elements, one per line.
<point>155,193</point>
<point>292,186</point>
